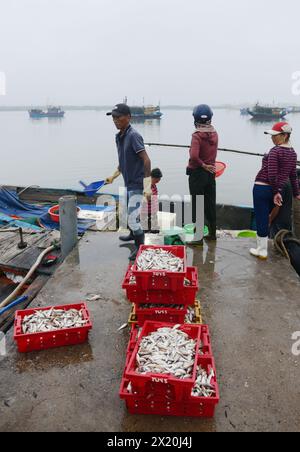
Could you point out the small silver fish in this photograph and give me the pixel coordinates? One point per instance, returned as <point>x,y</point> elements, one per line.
<point>52,320</point>
<point>203,386</point>
<point>167,351</point>
<point>160,260</point>
<point>190,316</point>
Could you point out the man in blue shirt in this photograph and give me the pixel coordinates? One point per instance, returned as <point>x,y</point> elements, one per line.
<point>135,167</point>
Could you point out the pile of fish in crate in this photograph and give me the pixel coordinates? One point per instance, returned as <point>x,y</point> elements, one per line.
<point>51,327</point>
<point>170,369</point>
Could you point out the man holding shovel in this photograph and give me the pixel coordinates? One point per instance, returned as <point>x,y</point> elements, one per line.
<point>135,167</point>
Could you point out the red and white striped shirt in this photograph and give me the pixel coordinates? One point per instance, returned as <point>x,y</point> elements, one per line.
<point>280,166</point>
<point>152,206</point>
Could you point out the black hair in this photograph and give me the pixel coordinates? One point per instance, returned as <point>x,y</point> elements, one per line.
<point>156,173</point>
<point>201,122</point>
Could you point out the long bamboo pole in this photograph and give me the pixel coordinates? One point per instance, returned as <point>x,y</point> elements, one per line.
<point>180,146</point>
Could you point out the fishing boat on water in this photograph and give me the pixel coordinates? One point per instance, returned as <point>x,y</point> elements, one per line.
<point>145,112</point>
<point>229,216</point>
<point>51,112</point>
<point>267,113</point>
<point>149,112</point>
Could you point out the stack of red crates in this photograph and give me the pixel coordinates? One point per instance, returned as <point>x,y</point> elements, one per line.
<point>160,394</point>
<point>166,395</point>
<point>163,289</point>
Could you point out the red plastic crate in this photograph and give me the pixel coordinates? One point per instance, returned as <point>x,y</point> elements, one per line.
<point>166,386</point>
<point>52,339</point>
<point>141,405</point>
<point>204,406</point>
<point>134,334</point>
<point>205,348</point>
<point>161,280</point>
<point>200,407</point>
<point>185,295</point>
<point>167,315</point>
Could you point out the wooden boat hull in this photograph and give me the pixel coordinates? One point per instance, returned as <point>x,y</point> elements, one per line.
<point>228,216</point>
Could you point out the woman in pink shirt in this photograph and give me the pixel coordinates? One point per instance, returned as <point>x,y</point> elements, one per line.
<point>202,168</point>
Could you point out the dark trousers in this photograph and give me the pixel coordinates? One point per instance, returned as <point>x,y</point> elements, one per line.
<point>263,197</point>
<point>151,224</point>
<point>284,218</point>
<point>204,183</point>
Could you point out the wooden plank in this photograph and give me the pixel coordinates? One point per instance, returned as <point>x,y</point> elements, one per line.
<point>23,268</point>
<point>30,255</point>
<point>6,288</point>
<point>9,246</point>
<point>6,268</point>
<point>10,253</point>
<point>52,196</point>
<point>47,240</point>
<point>32,291</point>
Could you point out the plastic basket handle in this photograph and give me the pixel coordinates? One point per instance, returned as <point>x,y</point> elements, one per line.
<point>19,324</point>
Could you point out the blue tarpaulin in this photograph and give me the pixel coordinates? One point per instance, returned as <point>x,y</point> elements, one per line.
<point>6,220</point>
<point>10,205</point>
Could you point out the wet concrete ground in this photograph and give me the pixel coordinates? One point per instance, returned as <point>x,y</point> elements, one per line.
<point>252,307</point>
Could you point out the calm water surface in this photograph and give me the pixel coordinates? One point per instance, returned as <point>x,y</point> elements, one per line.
<point>58,153</point>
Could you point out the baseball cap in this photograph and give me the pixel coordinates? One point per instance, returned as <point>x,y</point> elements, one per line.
<point>279,128</point>
<point>120,110</point>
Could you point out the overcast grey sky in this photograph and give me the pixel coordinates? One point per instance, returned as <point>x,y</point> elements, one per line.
<point>176,51</point>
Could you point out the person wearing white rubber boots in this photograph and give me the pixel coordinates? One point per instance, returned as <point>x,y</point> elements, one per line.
<point>279,166</point>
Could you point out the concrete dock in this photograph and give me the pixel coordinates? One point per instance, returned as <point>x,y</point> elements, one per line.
<point>252,308</point>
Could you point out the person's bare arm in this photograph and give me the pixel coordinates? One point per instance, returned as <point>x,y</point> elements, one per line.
<point>147,163</point>
<point>147,178</point>
<point>110,180</point>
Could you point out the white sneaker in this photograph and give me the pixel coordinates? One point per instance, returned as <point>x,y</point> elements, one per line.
<point>262,248</point>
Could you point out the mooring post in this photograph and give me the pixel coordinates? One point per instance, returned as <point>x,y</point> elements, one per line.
<point>68,224</point>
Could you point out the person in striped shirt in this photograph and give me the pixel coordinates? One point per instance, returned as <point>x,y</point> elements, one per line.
<point>150,206</point>
<point>278,168</point>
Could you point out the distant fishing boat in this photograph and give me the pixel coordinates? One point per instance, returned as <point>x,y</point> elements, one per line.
<point>51,112</point>
<point>149,112</point>
<point>145,112</point>
<point>265,113</point>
